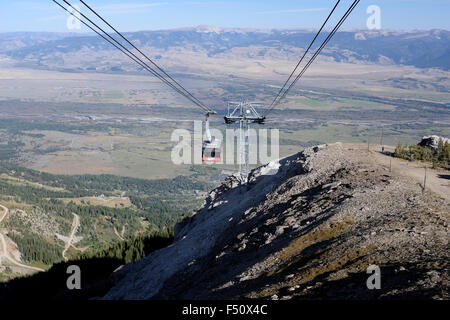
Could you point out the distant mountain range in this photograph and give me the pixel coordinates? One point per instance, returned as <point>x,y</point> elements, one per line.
<point>18,40</point>
<point>423,49</point>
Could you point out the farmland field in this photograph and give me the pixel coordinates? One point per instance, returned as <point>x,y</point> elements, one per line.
<point>80,123</point>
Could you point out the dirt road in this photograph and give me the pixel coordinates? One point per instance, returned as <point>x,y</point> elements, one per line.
<point>6,210</point>
<point>118,235</point>
<point>5,253</point>
<point>75,225</point>
<point>438,181</point>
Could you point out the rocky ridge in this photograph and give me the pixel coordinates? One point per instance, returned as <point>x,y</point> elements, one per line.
<point>307,228</point>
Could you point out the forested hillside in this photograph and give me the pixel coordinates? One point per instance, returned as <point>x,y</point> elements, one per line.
<point>115,213</point>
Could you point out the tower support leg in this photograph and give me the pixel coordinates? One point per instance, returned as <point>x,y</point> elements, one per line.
<point>244,150</point>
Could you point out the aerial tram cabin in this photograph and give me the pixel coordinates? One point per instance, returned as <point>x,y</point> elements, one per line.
<point>211,149</point>
<point>243,113</point>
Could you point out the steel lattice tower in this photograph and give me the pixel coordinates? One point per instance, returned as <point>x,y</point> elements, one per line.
<point>243,113</point>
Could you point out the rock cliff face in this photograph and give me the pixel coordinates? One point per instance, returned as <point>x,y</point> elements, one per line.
<point>308,231</point>
<point>433,141</point>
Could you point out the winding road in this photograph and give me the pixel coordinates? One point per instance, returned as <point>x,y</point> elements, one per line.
<point>4,253</point>
<point>75,225</point>
<point>118,235</point>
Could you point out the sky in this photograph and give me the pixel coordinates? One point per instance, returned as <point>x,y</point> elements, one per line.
<point>136,15</point>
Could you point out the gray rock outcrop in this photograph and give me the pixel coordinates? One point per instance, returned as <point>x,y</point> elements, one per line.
<point>432,141</point>
<point>307,231</point>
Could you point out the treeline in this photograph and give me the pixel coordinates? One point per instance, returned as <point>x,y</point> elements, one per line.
<point>148,207</point>
<point>137,248</point>
<point>157,205</point>
<point>23,126</point>
<point>96,270</point>
<point>152,198</point>
<point>9,150</point>
<point>199,170</point>
<point>30,194</point>
<point>104,183</point>
<point>439,156</point>
<point>34,248</point>
<point>160,215</point>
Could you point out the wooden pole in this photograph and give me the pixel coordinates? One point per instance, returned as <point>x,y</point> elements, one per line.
<point>424,180</point>
<point>381,140</point>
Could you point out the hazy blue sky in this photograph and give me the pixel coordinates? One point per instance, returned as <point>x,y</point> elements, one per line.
<point>44,15</point>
